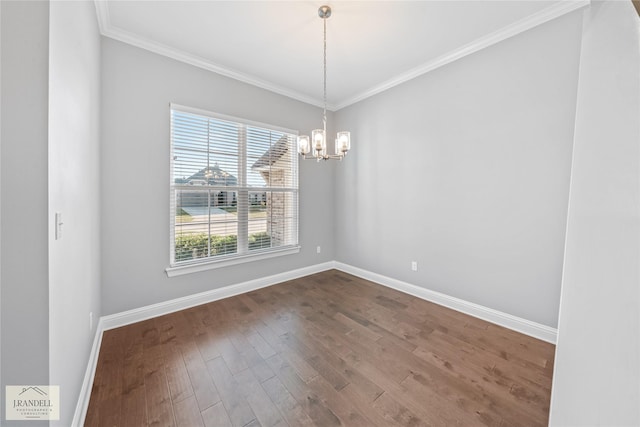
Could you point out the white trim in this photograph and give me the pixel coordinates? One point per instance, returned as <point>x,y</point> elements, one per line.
<point>89,375</point>
<point>166,307</point>
<point>502,34</point>
<point>554,11</point>
<point>102,13</point>
<point>227,118</point>
<point>180,270</point>
<point>124,36</point>
<point>518,324</point>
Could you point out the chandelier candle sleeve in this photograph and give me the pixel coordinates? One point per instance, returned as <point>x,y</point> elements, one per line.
<point>316,146</point>
<point>343,142</point>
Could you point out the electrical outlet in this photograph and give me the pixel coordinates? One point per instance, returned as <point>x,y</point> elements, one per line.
<point>318,249</point>
<point>414,265</point>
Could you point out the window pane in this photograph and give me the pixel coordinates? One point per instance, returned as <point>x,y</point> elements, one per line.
<point>258,236</point>
<point>282,218</point>
<point>191,238</point>
<point>271,159</point>
<point>205,151</point>
<point>224,223</point>
<point>206,223</point>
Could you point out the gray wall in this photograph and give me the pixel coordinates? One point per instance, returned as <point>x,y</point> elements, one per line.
<point>74,190</point>
<point>466,171</point>
<point>24,225</point>
<point>137,89</point>
<point>597,369</point>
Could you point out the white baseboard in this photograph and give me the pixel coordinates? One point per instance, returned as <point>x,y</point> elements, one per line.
<point>150,311</point>
<point>527,327</point>
<point>112,321</point>
<point>87,383</point>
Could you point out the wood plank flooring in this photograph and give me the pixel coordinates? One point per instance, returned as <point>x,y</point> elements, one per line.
<point>325,350</point>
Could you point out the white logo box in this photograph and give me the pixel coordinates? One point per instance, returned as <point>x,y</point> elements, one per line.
<point>32,402</point>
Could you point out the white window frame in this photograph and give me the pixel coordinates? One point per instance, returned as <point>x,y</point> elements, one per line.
<point>208,263</point>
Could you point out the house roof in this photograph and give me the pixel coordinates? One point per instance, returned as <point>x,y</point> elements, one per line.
<point>272,155</point>
<point>212,175</point>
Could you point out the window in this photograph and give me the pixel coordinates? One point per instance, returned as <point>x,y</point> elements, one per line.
<point>234,189</point>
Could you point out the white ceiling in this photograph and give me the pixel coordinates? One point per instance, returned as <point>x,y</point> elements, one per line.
<point>372,45</point>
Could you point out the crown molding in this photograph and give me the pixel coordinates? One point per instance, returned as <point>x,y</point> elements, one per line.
<point>541,17</point>
<point>102,13</point>
<point>531,21</point>
<point>108,30</point>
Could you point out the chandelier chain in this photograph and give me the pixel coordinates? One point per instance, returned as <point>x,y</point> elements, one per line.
<point>324,66</point>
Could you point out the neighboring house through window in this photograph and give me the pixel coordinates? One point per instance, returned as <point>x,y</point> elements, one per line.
<point>234,190</point>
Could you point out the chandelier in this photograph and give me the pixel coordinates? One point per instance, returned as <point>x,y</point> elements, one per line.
<point>316,146</point>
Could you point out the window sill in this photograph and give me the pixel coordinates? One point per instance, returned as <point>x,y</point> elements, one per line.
<point>180,270</point>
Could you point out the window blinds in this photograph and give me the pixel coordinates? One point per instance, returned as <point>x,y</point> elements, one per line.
<point>234,187</point>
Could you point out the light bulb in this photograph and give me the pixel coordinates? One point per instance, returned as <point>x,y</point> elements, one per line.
<point>344,142</point>
<point>303,145</point>
<point>318,140</point>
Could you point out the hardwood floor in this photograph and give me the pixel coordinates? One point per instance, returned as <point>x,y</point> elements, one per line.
<point>325,350</point>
